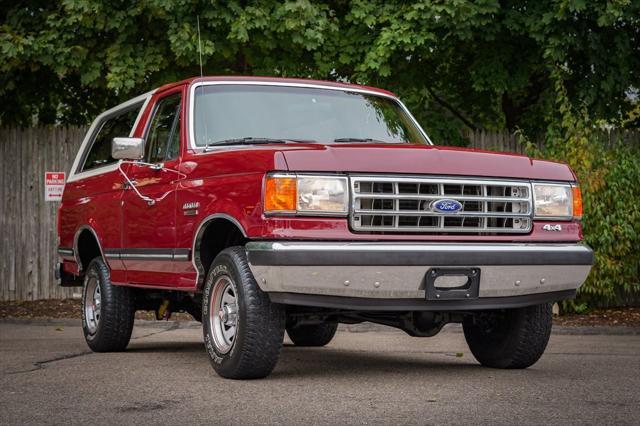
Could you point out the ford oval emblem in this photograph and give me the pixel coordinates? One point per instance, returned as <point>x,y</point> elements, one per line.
<point>446,206</point>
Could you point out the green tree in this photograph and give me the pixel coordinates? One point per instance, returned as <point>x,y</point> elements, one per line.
<point>458,64</point>
<point>64,62</point>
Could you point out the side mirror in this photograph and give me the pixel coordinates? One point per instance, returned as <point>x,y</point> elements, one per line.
<point>127,148</point>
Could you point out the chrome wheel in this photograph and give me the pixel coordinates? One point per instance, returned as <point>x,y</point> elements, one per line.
<point>223,314</point>
<point>92,304</point>
<point>242,330</point>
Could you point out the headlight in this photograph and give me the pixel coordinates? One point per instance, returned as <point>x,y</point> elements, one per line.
<point>556,201</point>
<point>310,195</point>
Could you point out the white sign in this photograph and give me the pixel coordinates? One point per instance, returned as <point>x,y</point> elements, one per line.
<point>53,186</point>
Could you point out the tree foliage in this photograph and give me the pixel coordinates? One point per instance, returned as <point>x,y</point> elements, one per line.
<point>459,63</point>
<point>554,66</point>
<point>609,177</point>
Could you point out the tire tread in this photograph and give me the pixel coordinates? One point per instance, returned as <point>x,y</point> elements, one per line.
<point>116,315</point>
<point>312,335</point>
<point>524,344</point>
<point>263,328</point>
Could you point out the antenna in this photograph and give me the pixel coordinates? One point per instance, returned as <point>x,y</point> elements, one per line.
<point>206,128</point>
<point>199,44</point>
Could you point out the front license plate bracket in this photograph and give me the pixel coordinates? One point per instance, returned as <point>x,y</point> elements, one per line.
<point>467,290</point>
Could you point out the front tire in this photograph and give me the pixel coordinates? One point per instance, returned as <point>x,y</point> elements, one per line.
<point>513,338</point>
<point>313,334</point>
<point>107,310</point>
<point>242,329</point>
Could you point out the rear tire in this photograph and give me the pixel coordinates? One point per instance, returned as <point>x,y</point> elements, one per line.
<point>107,310</point>
<point>312,335</point>
<point>242,329</point>
<point>514,338</point>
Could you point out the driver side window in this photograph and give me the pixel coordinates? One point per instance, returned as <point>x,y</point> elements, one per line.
<point>163,142</point>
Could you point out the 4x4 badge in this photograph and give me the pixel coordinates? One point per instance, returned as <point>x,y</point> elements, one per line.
<point>549,227</point>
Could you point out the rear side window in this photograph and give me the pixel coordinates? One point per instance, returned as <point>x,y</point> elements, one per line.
<point>163,142</point>
<point>118,125</point>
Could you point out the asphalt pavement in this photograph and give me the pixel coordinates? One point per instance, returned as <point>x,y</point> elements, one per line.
<point>49,376</point>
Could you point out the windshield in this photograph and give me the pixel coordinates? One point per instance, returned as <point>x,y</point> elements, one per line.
<point>228,112</point>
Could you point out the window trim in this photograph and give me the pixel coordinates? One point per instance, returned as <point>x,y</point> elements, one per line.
<point>152,115</point>
<point>191,143</point>
<point>75,174</point>
<point>175,131</point>
<point>104,121</point>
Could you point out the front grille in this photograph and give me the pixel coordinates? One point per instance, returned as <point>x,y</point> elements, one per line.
<point>403,204</point>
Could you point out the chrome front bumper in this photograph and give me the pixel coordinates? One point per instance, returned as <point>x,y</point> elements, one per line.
<point>390,271</point>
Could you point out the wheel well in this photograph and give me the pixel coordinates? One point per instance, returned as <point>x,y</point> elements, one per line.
<point>215,236</point>
<point>88,248</point>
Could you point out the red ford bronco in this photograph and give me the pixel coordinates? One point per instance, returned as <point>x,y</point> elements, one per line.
<point>260,205</point>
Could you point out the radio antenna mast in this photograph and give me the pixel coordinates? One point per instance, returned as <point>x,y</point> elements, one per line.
<point>199,44</point>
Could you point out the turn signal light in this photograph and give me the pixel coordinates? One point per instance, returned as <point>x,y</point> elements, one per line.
<point>280,194</point>
<point>577,202</point>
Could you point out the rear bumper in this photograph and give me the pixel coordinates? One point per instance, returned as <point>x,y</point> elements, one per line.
<point>393,275</point>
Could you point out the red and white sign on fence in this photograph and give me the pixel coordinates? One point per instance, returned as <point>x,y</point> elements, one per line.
<point>53,186</point>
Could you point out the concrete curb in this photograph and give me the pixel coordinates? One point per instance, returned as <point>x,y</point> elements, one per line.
<point>351,328</point>
<point>457,328</point>
<point>608,330</point>
<point>76,322</point>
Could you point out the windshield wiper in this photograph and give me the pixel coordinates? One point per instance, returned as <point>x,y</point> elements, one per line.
<point>359,140</point>
<point>244,141</point>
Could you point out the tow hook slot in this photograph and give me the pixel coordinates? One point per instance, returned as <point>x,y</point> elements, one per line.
<point>452,283</point>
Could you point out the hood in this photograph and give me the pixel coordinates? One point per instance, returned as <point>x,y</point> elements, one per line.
<point>414,159</point>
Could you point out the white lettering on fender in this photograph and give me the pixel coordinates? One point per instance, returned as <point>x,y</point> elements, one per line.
<point>190,209</point>
<point>190,206</point>
<point>549,227</point>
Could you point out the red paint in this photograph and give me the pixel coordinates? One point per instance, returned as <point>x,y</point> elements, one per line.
<point>422,159</point>
<point>152,226</point>
<point>230,181</point>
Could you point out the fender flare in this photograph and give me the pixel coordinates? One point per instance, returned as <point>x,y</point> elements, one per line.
<point>76,252</point>
<point>197,237</point>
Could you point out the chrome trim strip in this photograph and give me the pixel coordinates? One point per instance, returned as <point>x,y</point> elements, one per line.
<point>427,213</point>
<point>173,254</point>
<point>73,176</point>
<point>441,179</point>
<point>288,253</point>
<point>142,256</point>
<point>191,120</point>
<point>438,197</point>
<point>68,252</point>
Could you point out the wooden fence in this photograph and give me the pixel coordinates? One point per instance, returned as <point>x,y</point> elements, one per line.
<point>510,142</point>
<point>28,238</point>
